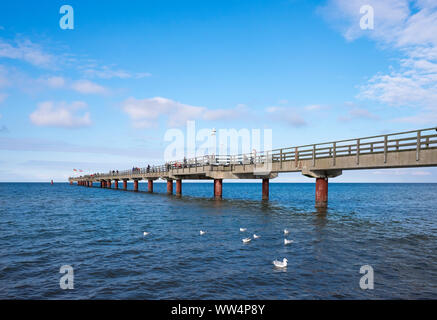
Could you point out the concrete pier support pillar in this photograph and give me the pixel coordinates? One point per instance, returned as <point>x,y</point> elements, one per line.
<point>321,192</point>
<point>101,184</point>
<point>150,185</point>
<point>179,187</point>
<point>135,185</point>
<point>265,189</point>
<point>115,184</point>
<point>108,184</point>
<point>218,187</point>
<point>125,184</point>
<point>169,186</point>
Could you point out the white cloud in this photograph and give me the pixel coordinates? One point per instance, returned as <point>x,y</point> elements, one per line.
<point>145,112</point>
<point>241,110</point>
<point>315,107</point>
<point>88,87</point>
<point>358,113</point>
<point>287,115</point>
<point>409,26</point>
<point>26,50</point>
<point>53,82</point>
<point>106,72</point>
<point>60,114</point>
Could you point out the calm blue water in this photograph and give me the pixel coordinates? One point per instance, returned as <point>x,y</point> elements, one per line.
<point>99,232</point>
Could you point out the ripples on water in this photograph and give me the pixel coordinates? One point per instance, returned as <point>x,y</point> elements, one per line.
<point>99,232</point>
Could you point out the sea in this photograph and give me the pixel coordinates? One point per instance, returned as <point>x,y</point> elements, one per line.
<point>374,241</point>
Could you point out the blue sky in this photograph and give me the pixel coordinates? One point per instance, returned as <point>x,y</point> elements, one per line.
<point>101,96</point>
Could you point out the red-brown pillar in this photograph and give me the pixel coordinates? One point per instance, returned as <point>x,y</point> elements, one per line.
<point>71,182</point>
<point>125,184</point>
<point>265,189</point>
<point>179,187</point>
<point>115,184</point>
<point>135,185</point>
<point>150,185</point>
<point>91,184</point>
<point>170,186</point>
<point>101,184</point>
<point>218,187</point>
<point>321,192</point>
<point>108,184</point>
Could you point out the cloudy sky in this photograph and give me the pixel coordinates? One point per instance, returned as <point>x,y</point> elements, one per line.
<point>102,96</point>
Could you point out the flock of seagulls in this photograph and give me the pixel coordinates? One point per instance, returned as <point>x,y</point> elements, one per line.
<point>276,263</point>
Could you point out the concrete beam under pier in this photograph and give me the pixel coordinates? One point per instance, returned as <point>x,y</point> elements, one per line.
<point>265,189</point>
<point>179,187</point>
<point>169,186</point>
<point>321,192</point>
<point>218,188</point>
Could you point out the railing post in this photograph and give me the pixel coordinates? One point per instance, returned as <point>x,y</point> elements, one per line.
<point>358,151</point>
<point>385,149</point>
<point>280,159</point>
<point>296,156</point>
<point>334,154</point>
<point>418,146</point>
<point>314,155</point>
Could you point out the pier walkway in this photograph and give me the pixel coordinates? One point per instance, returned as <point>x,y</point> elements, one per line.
<point>321,161</point>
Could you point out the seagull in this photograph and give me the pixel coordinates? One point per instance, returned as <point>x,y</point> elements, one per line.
<point>286,241</point>
<point>202,232</point>
<point>246,240</point>
<point>255,236</point>
<point>243,229</point>
<point>286,231</point>
<point>145,233</point>
<point>280,264</point>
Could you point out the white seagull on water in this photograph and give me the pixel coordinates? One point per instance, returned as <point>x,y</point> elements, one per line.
<point>202,232</point>
<point>286,231</point>
<point>280,264</point>
<point>145,233</point>
<point>255,236</point>
<point>243,229</point>
<point>246,240</point>
<point>286,241</point>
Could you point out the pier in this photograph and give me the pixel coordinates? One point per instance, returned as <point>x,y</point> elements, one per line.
<point>320,161</point>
